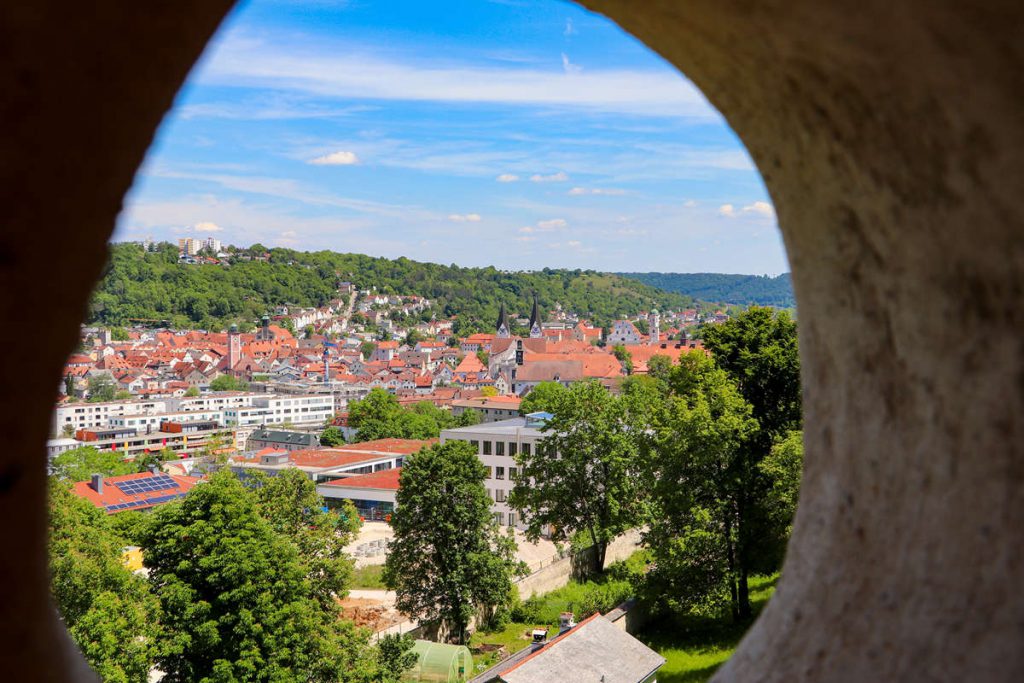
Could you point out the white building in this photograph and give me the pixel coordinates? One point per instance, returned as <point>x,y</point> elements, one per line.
<point>497,444</point>
<point>270,409</point>
<point>91,415</point>
<point>624,332</point>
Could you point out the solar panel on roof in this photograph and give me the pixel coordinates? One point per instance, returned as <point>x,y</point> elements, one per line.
<point>157,482</point>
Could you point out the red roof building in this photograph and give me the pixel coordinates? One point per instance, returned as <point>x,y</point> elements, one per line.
<point>140,491</point>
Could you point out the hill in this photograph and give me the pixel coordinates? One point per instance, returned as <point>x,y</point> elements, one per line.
<point>140,285</point>
<point>762,290</point>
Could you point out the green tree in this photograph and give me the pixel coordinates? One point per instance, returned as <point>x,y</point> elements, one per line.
<point>79,464</point>
<point>367,348</point>
<point>331,436</point>
<point>108,611</point>
<point>228,383</point>
<point>192,392</point>
<point>69,385</point>
<point>758,349</point>
<point>783,467</point>
<point>101,388</point>
<point>542,398</point>
<point>483,357</point>
<point>700,482</point>
<point>448,559</point>
<point>624,357</point>
<point>290,503</point>
<point>583,476</point>
<point>237,598</point>
<point>395,657</point>
<point>122,395</point>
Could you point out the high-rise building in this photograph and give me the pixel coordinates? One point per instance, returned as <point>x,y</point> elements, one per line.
<point>188,246</point>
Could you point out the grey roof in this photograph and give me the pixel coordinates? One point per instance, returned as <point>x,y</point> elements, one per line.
<point>547,370</point>
<point>283,437</point>
<point>511,427</point>
<point>595,650</point>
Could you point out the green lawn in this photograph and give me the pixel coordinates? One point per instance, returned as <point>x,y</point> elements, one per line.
<point>695,647</point>
<point>368,577</point>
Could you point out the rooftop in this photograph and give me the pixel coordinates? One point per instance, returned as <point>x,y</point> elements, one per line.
<point>510,427</point>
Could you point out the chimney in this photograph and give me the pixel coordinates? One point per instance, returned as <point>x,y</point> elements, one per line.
<point>97,483</point>
<point>565,622</point>
<point>154,469</point>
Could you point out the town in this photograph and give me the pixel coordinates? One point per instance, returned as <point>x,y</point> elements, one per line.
<point>350,404</point>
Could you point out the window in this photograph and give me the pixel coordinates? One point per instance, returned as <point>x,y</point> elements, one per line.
<point>475,445</point>
<point>499,495</point>
<point>487,447</point>
<point>513,447</point>
<point>490,494</point>
<point>499,472</point>
<point>488,468</point>
<point>499,517</point>
<point>511,473</point>
<point>499,448</point>
<point>511,519</point>
<point>526,449</point>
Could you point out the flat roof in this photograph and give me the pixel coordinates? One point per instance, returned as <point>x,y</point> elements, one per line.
<point>509,427</point>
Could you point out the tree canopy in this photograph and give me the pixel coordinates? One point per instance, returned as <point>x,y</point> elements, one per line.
<point>380,416</point>
<point>153,285</point>
<point>448,559</point>
<point>108,611</point>
<point>237,597</point>
<point>583,476</point>
<point>79,464</point>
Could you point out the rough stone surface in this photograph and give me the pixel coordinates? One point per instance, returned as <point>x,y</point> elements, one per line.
<point>890,137</point>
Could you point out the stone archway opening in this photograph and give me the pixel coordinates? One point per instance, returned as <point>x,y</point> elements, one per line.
<point>890,141</point>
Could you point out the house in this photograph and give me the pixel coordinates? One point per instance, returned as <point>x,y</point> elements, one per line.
<point>141,491</point>
<point>593,650</point>
<point>490,408</point>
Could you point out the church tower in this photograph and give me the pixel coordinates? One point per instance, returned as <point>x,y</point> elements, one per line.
<point>502,326</point>
<point>536,330</point>
<point>654,327</point>
<point>234,347</point>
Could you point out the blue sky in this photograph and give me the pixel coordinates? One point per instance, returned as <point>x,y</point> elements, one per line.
<point>480,132</point>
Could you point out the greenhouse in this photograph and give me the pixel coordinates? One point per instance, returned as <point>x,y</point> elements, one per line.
<point>440,663</point>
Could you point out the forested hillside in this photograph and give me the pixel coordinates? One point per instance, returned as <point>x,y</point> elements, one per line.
<point>734,289</point>
<point>152,286</point>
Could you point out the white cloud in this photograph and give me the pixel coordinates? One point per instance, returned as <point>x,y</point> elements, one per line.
<point>552,224</point>
<point>289,234</point>
<point>507,178</point>
<point>568,66</point>
<point>527,228</point>
<point>207,226</point>
<point>570,30</point>
<point>525,238</point>
<point>574,244</point>
<point>559,177</point>
<point>690,203</point>
<point>345,71</point>
<point>759,208</point>
<point>762,208</point>
<point>342,158</point>
<point>465,217</point>
<point>611,191</point>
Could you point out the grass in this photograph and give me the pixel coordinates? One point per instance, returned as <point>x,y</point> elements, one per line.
<point>368,577</point>
<point>695,647</point>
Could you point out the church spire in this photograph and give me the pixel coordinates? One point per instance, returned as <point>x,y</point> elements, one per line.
<point>502,326</point>
<point>536,330</point>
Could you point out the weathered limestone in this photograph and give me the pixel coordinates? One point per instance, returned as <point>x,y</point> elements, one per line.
<point>891,138</point>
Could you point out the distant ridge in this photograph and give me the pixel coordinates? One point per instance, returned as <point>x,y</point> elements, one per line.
<point>762,290</point>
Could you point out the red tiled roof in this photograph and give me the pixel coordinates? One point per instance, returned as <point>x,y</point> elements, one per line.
<point>385,479</point>
<point>112,495</point>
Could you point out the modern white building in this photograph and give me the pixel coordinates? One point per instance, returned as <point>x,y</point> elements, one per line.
<point>82,415</point>
<point>497,444</point>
